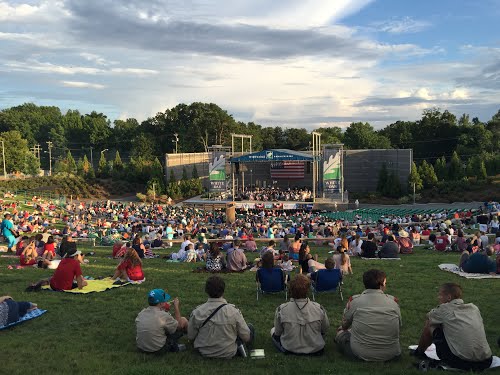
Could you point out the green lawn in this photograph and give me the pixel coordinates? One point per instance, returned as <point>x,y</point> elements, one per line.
<point>95,333</point>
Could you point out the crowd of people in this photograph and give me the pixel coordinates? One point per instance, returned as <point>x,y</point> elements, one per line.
<point>275,194</point>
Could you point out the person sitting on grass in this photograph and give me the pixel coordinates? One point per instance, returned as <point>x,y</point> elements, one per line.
<point>307,262</point>
<point>300,325</point>
<point>442,242</point>
<point>214,259</point>
<point>479,262</point>
<point>156,330</point>
<point>68,244</point>
<point>130,268</point>
<point>119,249</point>
<point>369,248</point>
<point>457,330</point>
<point>286,263</point>
<point>11,311</point>
<point>49,251</point>
<point>68,274</point>
<point>29,255</point>
<point>217,328</point>
<point>21,245</point>
<point>371,322</point>
<point>390,249</point>
<point>191,255</point>
<point>342,261</point>
<point>236,258</point>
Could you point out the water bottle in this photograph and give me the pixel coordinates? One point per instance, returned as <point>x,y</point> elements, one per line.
<point>242,350</point>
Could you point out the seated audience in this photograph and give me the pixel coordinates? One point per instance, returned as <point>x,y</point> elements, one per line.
<point>236,259</point>
<point>286,264</point>
<point>250,244</point>
<point>217,328</point>
<point>307,262</point>
<point>390,249</point>
<point>442,242</point>
<point>300,325</point>
<point>130,268</point>
<point>156,330</point>
<point>29,255</point>
<point>214,259</point>
<point>342,261</point>
<point>371,322</point>
<point>369,248</point>
<point>457,330</point>
<point>68,244</point>
<point>49,251</point>
<point>480,262</point>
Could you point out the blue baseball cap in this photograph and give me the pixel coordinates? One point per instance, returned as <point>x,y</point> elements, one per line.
<point>158,296</point>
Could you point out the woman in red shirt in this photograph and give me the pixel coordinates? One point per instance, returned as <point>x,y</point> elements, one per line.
<point>29,255</point>
<point>49,251</point>
<point>130,267</point>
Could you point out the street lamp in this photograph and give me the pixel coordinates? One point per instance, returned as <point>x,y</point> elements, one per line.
<point>176,140</point>
<point>3,154</point>
<point>251,178</point>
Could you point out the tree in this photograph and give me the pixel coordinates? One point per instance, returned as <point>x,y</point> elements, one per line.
<point>194,174</point>
<point>482,171</point>
<point>88,169</point>
<point>184,174</point>
<point>392,186</point>
<point>414,179</point>
<point>361,135</point>
<point>172,179</point>
<point>455,170</point>
<point>440,169</point>
<point>17,153</point>
<point>32,165</point>
<point>118,164</point>
<point>70,162</point>
<point>426,172</point>
<point>102,168</point>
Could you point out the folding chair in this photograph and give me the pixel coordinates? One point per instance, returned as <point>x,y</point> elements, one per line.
<point>327,280</point>
<point>271,280</point>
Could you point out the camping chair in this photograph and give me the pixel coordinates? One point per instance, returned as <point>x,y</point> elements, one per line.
<point>327,280</point>
<point>271,281</point>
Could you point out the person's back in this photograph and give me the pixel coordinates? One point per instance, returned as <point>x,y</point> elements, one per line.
<point>215,333</point>
<point>480,262</point>
<point>369,248</point>
<point>441,242</point>
<point>236,260</point>
<point>390,249</point>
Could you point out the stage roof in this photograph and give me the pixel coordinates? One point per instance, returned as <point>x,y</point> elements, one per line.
<point>272,155</point>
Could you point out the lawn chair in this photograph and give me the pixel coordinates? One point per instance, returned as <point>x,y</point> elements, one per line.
<point>327,280</point>
<point>271,281</point>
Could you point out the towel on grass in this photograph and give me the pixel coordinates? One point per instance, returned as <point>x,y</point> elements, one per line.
<point>431,353</point>
<point>377,258</point>
<point>29,315</point>
<point>94,286</point>
<point>456,270</point>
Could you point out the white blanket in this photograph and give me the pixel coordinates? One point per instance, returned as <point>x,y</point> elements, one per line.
<point>377,258</point>
<point>431,353</point>
<point>456,270</point>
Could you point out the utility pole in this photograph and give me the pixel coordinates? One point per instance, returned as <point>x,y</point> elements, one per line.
<point>91,158</point>
<point>3,154</point>
<point>154,193</point>
<point>49,143</point>
<point>176,141</point>
<point>37,148</point>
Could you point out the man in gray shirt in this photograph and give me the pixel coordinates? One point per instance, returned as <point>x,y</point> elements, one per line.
<point>390,249</point>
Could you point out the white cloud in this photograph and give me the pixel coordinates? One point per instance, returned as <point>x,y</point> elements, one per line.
<point>79,84</point>
<point>401,26</point>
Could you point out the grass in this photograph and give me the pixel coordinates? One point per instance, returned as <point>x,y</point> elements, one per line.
<point>95,333</point>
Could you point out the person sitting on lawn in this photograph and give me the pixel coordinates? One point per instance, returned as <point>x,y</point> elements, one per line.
<point>300,325</point>
<point>390,249</point>
<point>191,255</point>
<point>371,322</point>
<point>479,262</point>
<point>457,330</point>
<point>130,268</point>
<point>138,246</point>
<point>286,263</point>
<point>68,274</point>
<point>49,251</point>
<point>29,255</point>
<point>250,244</point>
<point>119,249</point>
<point>369,248</point>
<point>11,311</point>
<point>307,262</point>
<point>442,242</point>
<point>21,245</point>
<point>214,259</point>
<point>68,244</point>
<point>342,261</point>
<point>236,259</point>
<point>156,330</point>
<point>217,328</point>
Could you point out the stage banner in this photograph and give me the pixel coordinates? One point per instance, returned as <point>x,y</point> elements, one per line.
<point>217,171</point>
<point>332,172</point>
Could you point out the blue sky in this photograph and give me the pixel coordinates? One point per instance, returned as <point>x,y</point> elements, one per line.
<point>295,63</point>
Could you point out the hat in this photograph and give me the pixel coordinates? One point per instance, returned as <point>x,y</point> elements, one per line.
<point>403,233</point>
<point>157,296</point>
<point>72,253</point>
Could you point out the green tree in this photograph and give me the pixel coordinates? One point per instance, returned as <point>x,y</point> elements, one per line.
<point>455,170</point>
<point>482,171</point>
<point>32,165</point>
<point>102,168</point>
<point>393,185</point>
<point>79,168</point>
<point>70,162</point>
<point>172,179</point>
<point>184,174</point>
<point>118,164</point>
<point>426,172</point>
<point>88,169</point>
<point>194,173</point>
<point>414,179</point>
<point>361,135</point>
<point>440,169</point>
<point>17,153</point>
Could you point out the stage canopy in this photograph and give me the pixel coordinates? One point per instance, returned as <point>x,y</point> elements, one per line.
<point>272,155</point>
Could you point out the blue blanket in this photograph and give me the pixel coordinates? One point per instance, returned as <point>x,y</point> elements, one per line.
<point>30,315</point>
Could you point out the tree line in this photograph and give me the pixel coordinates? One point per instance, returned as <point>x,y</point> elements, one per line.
<point>94,141</point>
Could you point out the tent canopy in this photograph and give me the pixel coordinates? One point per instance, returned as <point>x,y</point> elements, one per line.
<point>272,155</point>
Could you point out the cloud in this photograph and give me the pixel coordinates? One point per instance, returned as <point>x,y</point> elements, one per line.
<point>404,25</point>
<point>78,84</point>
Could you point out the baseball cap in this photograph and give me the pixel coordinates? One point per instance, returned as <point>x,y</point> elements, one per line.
<point>72,253</point>
<point>158,296</point>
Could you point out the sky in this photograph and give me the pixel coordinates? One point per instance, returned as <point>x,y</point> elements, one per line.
<point>293,63</point>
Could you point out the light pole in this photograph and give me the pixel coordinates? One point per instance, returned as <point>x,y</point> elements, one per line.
<point>49,143</point>
<point>3,154</point>
<point>251,179</point>
<point>176,140</point>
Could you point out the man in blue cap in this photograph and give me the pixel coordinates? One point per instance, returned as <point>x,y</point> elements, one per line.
<point>157,330</point>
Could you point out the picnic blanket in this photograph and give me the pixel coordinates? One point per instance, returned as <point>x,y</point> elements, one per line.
<point>94,286</point>
<point>456,270</point>
<point>431,353</point>
<point>30,315</point>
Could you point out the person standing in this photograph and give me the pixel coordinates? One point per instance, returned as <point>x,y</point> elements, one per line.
<point>371,322</point>
<point>8,231</point>
<point>457,330</point>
